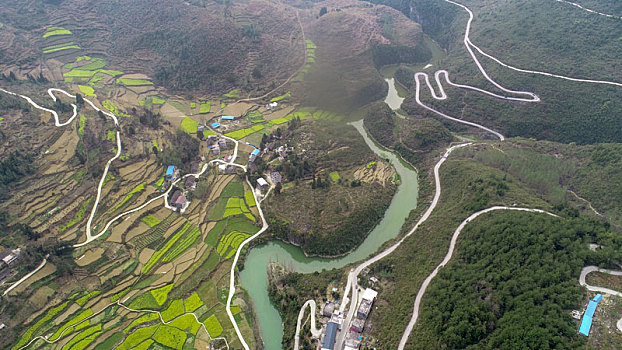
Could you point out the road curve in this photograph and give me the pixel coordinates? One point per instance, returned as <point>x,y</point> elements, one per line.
<point>14,285</point>
<point>589,269</point>
<point>235,262</point>
<point>353,276</point>
<point>450,252</point>
<point>316,332</point>
<point>589,10</point>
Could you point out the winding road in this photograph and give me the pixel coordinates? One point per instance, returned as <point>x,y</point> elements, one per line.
<point>589,269</point>
<point>589,10</point>
<point>353,275</point>
<point>316,332</point>
<point>450,252</point>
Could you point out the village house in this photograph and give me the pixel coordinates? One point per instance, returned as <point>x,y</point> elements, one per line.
<point>171,173</point>
<point>254,155</point>
<point>276,177</point>
<point>178,200</point>
<point>212,139</point>
<point>328,309</point>
<point>262,184</point>
<point>222,143</point>
<point>191,183</point>
<point>215,149</point>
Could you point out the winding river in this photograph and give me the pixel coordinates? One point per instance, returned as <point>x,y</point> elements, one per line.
<point>254,275</point>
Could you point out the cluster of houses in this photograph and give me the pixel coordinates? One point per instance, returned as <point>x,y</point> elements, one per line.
<point>178,200</point>
<point>7,258</point>
<point>353,337</point>
<point>216,144</point>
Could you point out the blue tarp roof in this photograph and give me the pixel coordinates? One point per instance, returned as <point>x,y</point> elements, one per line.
<point>586,322</point>
<point>215,125</point>
<point>331,334</point>
<point>256,152</point>
<point>227,117</point>
<point>170,170</point>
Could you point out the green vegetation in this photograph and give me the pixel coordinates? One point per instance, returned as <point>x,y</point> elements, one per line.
<point>81,124</point>
<point>236,206</point>
<point>242,133</point>
<point>82,301</point>
<point>255,117</point>
<point>144,301</point>
<point>476,285</point>
<point>77,218</point>
<point>161,294</point>
<point>111,135</point>
<point>250,198</point>
<point>166,255</point>
<point>150,220</point>
<point>213,326</point>
<point>205,107</point>
<point>175,309</point>
<point>282,97</point>
<point>193,105</point>
<point>68,327</point>
<point>193,302</point>
<point>82,339</point>
<point>139,188</point>
<point>87,90</point>
<point>133,82</point>
<point>60,47</point>
<point>186,323</point>
<point>334,176</point>
<point>235,93</point>
<point>43,321</point>
<point>137,337</point>
<point>170,337</point>
<point>189,125</point>
<point>114,109</point>
<point>53,31</point>
<point>148,317</point>
<point>230,242</point>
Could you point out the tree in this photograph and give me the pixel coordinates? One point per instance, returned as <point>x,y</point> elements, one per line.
<point>79,99</point>
<point>278,188</point>
<point>323,11</point>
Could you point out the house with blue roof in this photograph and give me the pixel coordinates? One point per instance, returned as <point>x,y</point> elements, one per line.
<point>170,172</point>
<point>330,336</point>
<point>254,155</point>
<point>227,117</point>
<point>586,322</point>
<point>216,125</point>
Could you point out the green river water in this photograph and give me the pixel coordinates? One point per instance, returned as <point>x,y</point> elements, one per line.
<point>254,275</point>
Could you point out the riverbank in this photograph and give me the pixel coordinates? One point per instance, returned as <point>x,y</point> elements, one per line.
<point>254,275</point>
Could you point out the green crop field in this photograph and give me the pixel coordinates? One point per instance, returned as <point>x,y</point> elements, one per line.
<point>68,327</point>
<point>250,198</point>
<point>144,301</point>
<point>155,258</point>
<point>81,124</point>
<point>136,189</point>
<point>233,189</point>
<point>157,100</point>
<point>133,82</point>
<point>205,107</point>
<point>87,335</point>
<point>170,337</point>
<point>189,125</point>
<point>255,117</point>
<point>186,323</point>
<point>148,317</point>
<point>87,90</point>
<point>77,218</point>
<point>193,302</point>
<point>144,345</point>
<point>87,297</point>
<point>137,337</point>
<point>193,105</point>
<point>54,31</point>
<point>214,233</point>
<point>188,240</point>
<point>242,133</point>
<point>43,321</point>
<point>334,176</point>
<point>79,73</point>
<point>175,309</point>
<point>235,93</point>
<point>150,220</point>
<point>161,294</point>
<point>60,47</point>
<point>282,97</point>
<point>213,326</point>
<point>230,242</point>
